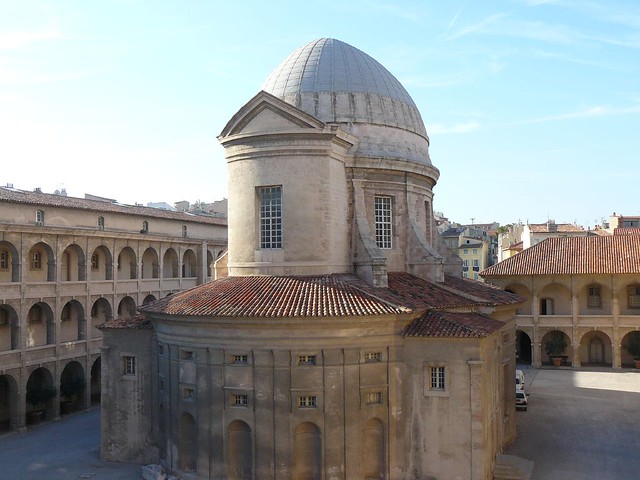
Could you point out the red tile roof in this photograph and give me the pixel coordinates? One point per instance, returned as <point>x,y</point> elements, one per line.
<point>137,322</point>
<point>626,231</point>
<point>559,228</point>
<point>456,325</point>
<point>619,254</point>
<point>46,199</point>
<point>325,295</point>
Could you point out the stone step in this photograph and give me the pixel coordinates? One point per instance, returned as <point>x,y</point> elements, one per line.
<point>511,467</point>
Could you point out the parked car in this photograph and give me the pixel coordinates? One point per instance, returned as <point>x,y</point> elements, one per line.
<point>521,400</point>
<point>519,380</point>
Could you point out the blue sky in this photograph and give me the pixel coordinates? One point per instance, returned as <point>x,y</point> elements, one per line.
<point>532,107</point>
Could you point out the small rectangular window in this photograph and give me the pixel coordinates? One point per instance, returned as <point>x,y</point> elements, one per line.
<point>4,260</point>
<point>188,393</point>
<point>145,227</point>
<point>270,217</point>
<point>36,261</point>
<point>241,359</point>
<point>437,378</point>
<point>384,232</point>
<point>128,365</point>
<point>372,357</point>
<point>240,400</point>
<point>184,231</point>
<point>594,299</point>
<point>633,297</point>
<point>161,384</point>
<point>40,218</point>
<point>374,398</point>
<point>308,401</point>
<point>100,223</point>
<point>306,359</point>
<point>187,355</point>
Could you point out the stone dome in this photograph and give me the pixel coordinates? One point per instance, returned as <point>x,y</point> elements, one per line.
<point>338,83</point>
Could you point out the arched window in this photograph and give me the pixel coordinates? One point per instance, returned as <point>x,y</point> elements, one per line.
<point>240,452</point>
<point>307,452</point>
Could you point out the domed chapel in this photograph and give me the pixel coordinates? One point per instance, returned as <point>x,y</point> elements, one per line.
<point>338,340</point>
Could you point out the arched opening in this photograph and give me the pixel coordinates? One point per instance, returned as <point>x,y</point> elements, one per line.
<point>240,451</point>
<point>188,444</point>
<point>373,450</point>
<point>9,329</point>
<point>150,267</point>
<point>96,381</point>
<point>40,325</point>
<point>189,264</point>
<point>556,344</point>
<point>40,395</point>
<point>523,348</point>
<point>100,313</point>
<point>209,263</point>
<point>170,264</point>
<point>73,324</point>
<point>74,266</point>
<point>72,388</point>
<point>519,289</point>
<point>126,308</point>
<point>42,264</point>
<point>127,264</point>
<point>101,264</point>
<point>8,403</point>
<point>9,263</point>
<point>148,299</point>
<point>596,349</point>
<point>307,453</point>
<point>630,351</point>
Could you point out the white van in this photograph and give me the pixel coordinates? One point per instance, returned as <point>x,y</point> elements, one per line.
<point>519,380</point>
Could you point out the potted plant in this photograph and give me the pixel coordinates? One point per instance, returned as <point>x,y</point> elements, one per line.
<point>554,346</point>
<point>70,389</point>
<point>37,397</point>
<point>633,347</point>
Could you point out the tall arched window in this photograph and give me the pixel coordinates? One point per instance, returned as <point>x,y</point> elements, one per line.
<point>240,451</point>
<point>188,444</point>
<point>307,452</point>
<point>373,450</point>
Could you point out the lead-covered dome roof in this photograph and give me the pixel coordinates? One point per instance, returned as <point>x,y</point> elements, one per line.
<point>338,83</point>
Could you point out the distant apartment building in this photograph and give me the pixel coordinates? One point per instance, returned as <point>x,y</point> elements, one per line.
<point>68,265</point>
<point>520,237</point>
<point>475,245</point>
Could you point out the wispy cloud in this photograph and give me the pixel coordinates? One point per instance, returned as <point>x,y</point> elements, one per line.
<point>458,128</point>
<point>11,40</point>
<point>597,111</point>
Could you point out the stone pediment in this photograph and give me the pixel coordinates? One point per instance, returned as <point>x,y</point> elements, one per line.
<point>265,113</point>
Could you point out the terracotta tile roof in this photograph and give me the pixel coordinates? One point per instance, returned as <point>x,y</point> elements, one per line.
<point>516,246</point>
<point>137,322</point>
<point>560,228</point>
<point>10,195</point>
<point>619,254</point>
<point>325,295</point>
<point>452,325</point>
<point>626,231</point>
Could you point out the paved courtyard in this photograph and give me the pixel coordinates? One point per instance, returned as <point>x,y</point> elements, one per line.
<point>64,450</point>
<point>580,425</point>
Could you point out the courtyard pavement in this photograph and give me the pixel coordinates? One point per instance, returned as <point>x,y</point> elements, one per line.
<point>64,450</point>
<point>580,424</point>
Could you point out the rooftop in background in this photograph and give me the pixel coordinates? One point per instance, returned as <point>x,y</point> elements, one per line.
<point>619,254</point>
<point>38,198</point>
